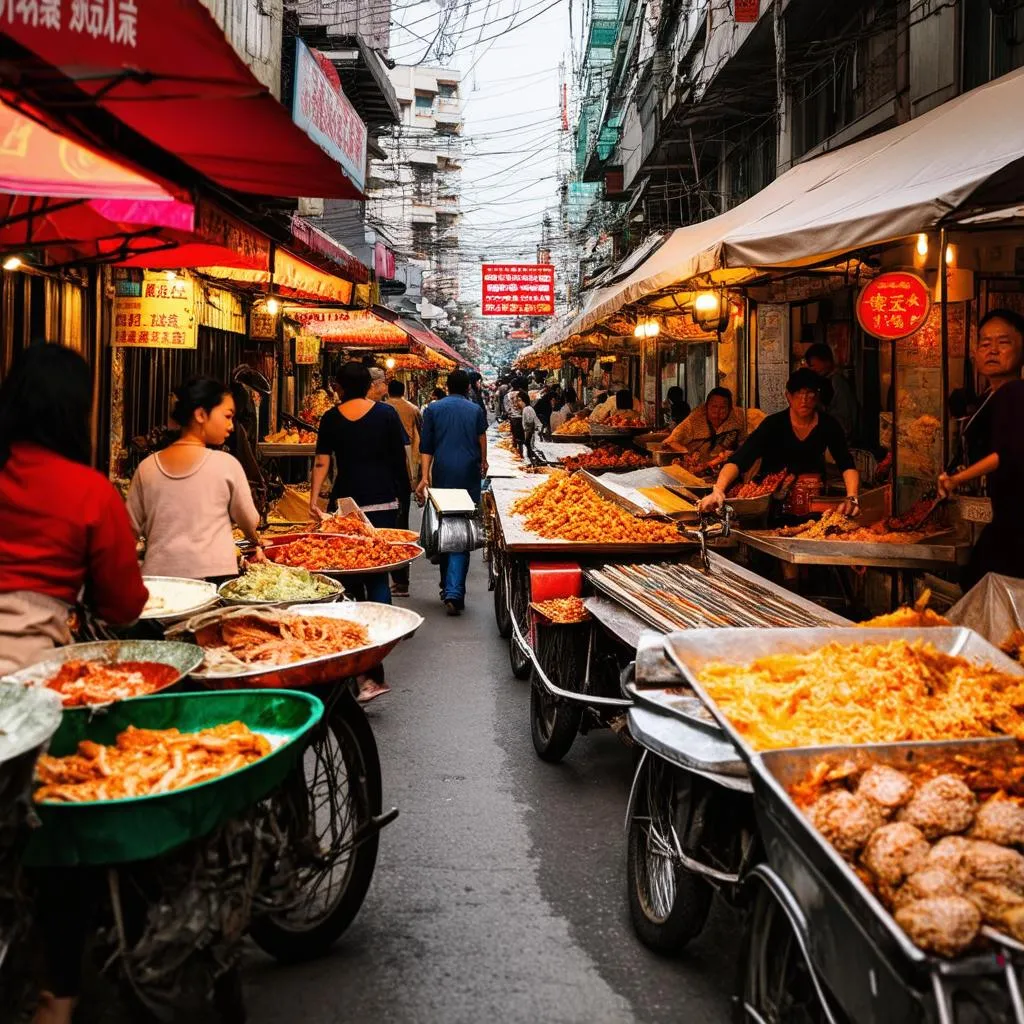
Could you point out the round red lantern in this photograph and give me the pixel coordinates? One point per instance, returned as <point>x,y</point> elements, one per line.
<point>893,305</point>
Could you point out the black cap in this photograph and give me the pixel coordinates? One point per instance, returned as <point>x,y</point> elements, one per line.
<point>805,379</point>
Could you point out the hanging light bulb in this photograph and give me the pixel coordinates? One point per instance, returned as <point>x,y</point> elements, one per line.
<point>390,362</point>
<point>646,329</point>
<point>12,263</point>
<point>272,306</point>
<point>922,245</point>
<point>950,255</point>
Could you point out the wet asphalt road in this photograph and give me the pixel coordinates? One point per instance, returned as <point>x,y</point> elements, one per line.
<point>499,891</point>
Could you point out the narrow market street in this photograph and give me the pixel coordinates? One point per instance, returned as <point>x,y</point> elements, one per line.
<point>499,891</point>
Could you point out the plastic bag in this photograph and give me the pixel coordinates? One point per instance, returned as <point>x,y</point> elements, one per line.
<point>993,607</point>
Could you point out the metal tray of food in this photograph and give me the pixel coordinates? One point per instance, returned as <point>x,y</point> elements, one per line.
<point>386,624</point>
<point>276,451</point>
<point>184,657</point>
<point>337,593</point>
<point>688,746</point>
<point>29,716</point>
<point>372,570</point>
<point>692,649</point>
<point>176,597</point>
<point>841,911</point>
<point>677,702</point>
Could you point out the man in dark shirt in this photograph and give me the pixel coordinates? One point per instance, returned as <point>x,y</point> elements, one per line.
<point>453,449</point>
<point>795,440</point>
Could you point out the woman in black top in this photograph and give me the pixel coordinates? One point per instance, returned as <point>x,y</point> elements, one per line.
<point>795,440</point>
<point>368,442</point>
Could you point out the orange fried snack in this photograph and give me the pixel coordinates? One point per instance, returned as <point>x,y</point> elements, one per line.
<point>865,693</point>
<point>907,616</point>
<point>605,458</point>
<point>348,525</point>
<point>143,762</point>
<point>84,683</point>
<point>570,509</point>
<point>342,552</point>
<point>563,610</point>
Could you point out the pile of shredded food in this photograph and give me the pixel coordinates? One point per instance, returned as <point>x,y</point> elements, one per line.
<point>563,610</point>
<point>142,762</point>
<point>275,638</point>
<point>342,553</point>
<point>568,508</point>
<point>865,693</point>
<point>85,683</point>
<point>269,582</point>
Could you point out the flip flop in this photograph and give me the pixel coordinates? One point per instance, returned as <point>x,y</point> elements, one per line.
<point>364,697</point>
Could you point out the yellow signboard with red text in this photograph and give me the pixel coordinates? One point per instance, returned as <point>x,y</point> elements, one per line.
<point>161,316</point>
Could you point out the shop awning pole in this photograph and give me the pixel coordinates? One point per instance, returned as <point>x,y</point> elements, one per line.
<point>944,354</point>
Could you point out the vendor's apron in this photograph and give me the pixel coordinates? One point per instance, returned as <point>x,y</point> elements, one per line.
<point>30,626</point>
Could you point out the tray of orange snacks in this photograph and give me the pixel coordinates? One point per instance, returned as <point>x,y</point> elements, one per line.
<point>562,611</point>
<point>340,554</point>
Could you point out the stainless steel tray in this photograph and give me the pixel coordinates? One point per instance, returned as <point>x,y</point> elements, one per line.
<point>386,624</point>
<point>692,649</point>
<point>689,748</point>
<point>369,571</point>
<point>185,657</point>
<point>335,595</point>
<point>831,895</point>
<point>689,708</point>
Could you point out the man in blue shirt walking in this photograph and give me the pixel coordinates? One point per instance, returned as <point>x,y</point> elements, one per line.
<point>453,450</point>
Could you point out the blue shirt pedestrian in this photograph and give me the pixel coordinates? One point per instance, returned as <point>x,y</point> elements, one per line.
<point>452,428</point>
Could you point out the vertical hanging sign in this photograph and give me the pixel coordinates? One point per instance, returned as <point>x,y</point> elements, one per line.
<point>747,10</point>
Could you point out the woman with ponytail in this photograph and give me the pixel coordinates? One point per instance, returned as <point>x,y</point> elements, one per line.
<point>184,499</point>
<point>64,532</point>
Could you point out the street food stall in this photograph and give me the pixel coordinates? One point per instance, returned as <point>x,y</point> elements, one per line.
<point>861,832</point>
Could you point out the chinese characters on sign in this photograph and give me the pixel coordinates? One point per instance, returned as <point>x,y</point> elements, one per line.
<point>162,317</point>
<point>262,325</point>
<point>747,10</point>
<point>323,112</point>
<point>307,349</point>
<point>894,305</point>
<point>116,21</point>
<point>518,289</point>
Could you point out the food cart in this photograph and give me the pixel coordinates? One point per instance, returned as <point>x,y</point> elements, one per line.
<point>708,813</point>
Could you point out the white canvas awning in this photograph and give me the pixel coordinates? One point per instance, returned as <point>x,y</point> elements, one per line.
<point>964,157</point>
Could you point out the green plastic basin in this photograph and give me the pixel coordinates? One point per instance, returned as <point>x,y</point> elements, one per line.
<point>117,831</point>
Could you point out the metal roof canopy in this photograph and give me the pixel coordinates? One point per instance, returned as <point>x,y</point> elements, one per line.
<point>939,169</point>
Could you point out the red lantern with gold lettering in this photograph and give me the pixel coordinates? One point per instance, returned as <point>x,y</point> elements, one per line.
<point>893,305</point>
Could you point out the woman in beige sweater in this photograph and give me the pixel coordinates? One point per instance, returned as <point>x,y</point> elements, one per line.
<point>184,499</point>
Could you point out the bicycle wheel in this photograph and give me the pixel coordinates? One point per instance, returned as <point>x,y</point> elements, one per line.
<point>329,807</point>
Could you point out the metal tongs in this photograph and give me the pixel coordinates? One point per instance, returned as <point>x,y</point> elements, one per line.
<point>710,524</point>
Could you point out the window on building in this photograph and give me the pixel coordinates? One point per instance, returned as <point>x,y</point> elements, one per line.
<point>447,90</point>
<point>422,184</point>
<point>993,43</point>
<point>422,240</point>
<point>424,103</point>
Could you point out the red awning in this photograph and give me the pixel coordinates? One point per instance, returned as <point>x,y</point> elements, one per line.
<point>167,71</point>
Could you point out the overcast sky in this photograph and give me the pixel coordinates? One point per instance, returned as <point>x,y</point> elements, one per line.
<point>510,88</point>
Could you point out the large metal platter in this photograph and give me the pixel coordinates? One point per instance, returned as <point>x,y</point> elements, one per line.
<point>937,551</point>
<point>183,656</point>
<point>337,593</point>
<point>203,596</point>
<point>824,884</point>
<point>692,649</point>
<point>369,571</point>
<point>29,716</point>
<point>386,624</point>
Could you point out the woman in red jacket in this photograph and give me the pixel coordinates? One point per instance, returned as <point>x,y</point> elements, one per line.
<point>64,530</point>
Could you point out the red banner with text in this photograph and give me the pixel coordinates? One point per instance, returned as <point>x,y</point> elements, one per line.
<point>518,289</point>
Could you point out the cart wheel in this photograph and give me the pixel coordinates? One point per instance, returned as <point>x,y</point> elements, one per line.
<point>519,659</point>
<point>668,903</point>
<point>777,987</point>
<point>502,615</point>
<point>553,723</point>
<point>335,797</point>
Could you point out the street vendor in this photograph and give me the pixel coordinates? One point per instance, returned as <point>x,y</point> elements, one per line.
<point>64,531</point>
<point>184,499</point>
<point>794,440</point>
<point>713,427</point>
<point>999,357</point>
<point>619,403</point>
<point>1000,547</point>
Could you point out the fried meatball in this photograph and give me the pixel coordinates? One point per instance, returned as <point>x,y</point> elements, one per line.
<point>1000,820</point>
<point>928,883</point>
<point>895,851</point>
<point>845,820</point>
<point>945,925</point>
<point>943,806</point>
<point>948,854</point>
<point>885,786</point>
<point>993,899</point>
<point>988,862</point>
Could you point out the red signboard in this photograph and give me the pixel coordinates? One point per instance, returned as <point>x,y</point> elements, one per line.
<point>747,10</point>
<point>894,305</point>
<point>518,289</point>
